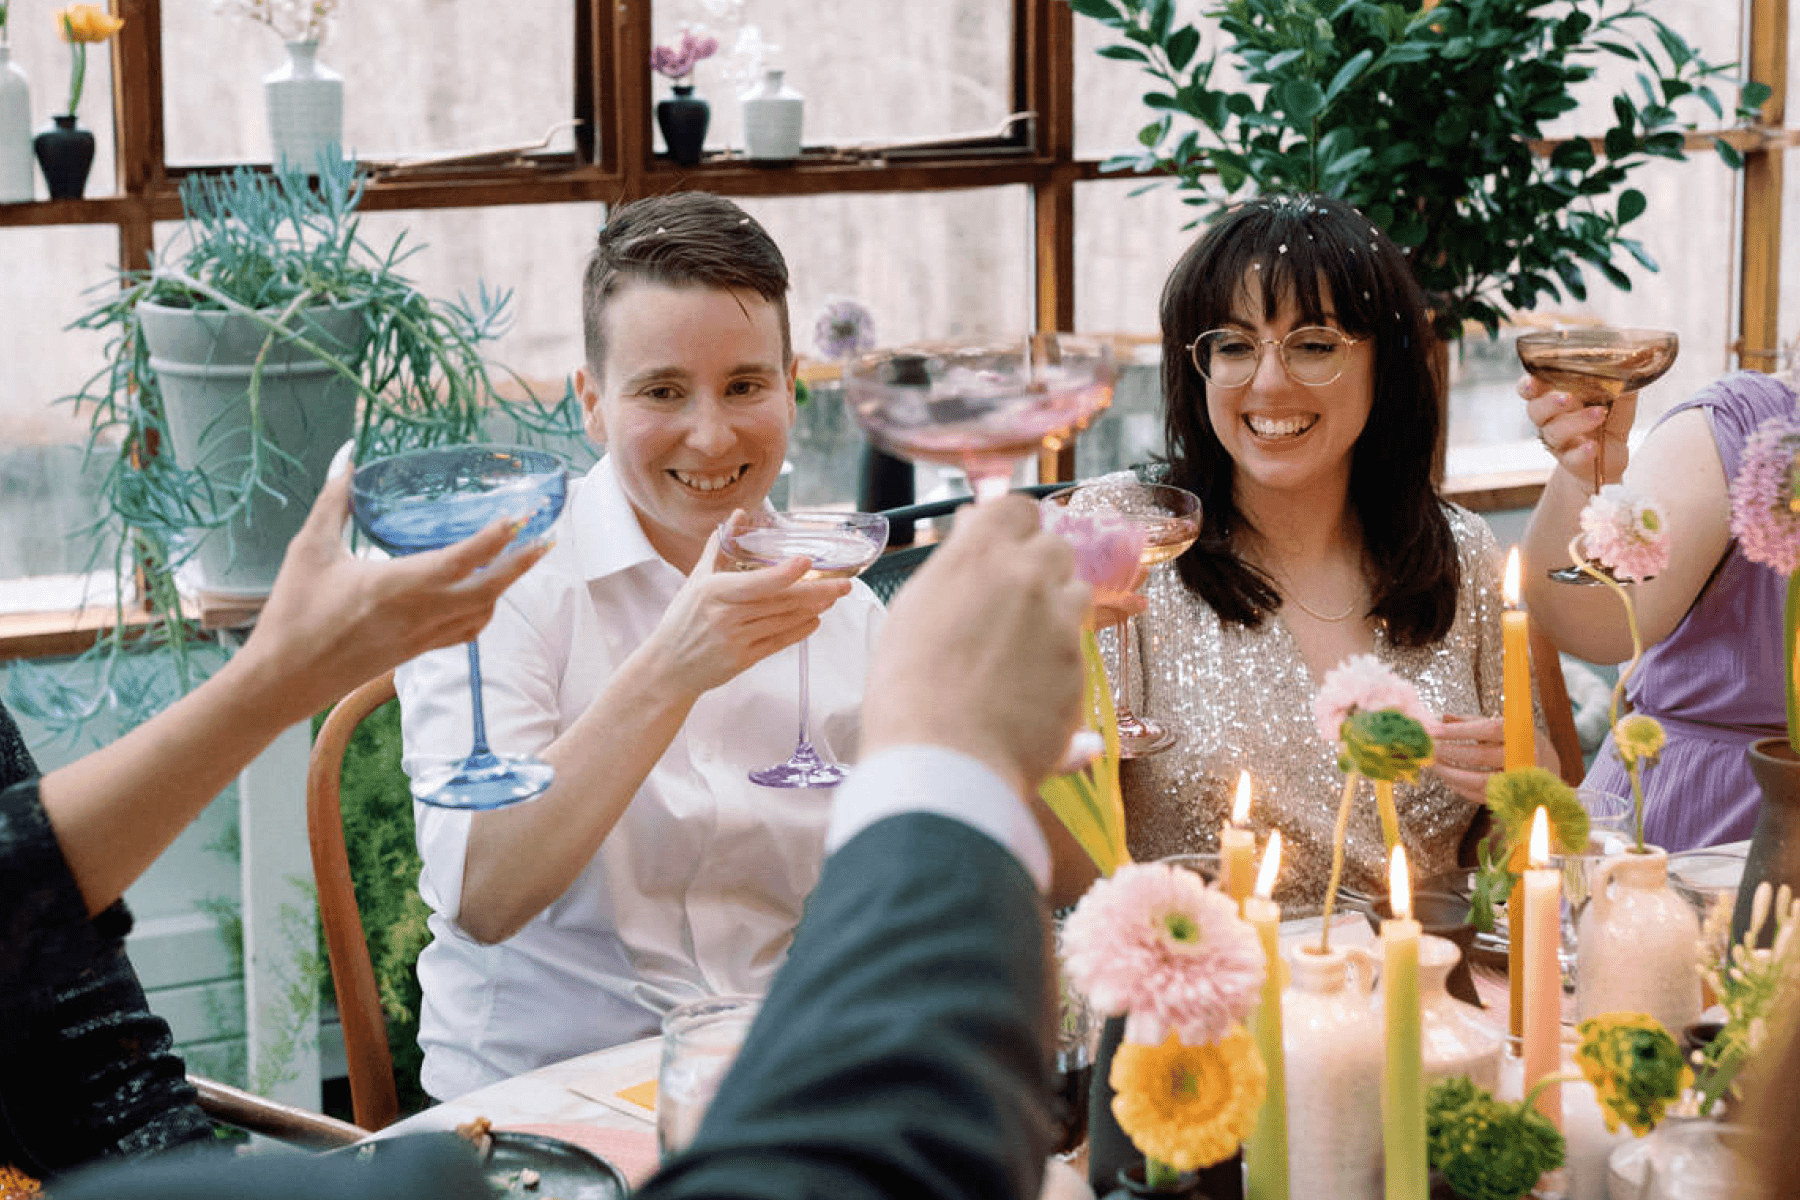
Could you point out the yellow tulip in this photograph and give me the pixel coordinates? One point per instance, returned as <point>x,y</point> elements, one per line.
<point>87,23</point>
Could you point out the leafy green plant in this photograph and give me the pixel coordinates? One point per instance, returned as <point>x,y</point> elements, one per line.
<point>267,247</point>
<point>1423,117</point>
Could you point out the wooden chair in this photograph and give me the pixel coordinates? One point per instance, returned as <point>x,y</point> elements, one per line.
<point>1559,713</point>
<point>374,1100</point>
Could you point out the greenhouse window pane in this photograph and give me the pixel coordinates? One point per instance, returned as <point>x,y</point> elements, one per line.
<point>420,78</point>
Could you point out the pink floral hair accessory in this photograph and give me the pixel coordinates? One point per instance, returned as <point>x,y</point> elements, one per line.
<point>1154,944</point>
<point>1627,532</point>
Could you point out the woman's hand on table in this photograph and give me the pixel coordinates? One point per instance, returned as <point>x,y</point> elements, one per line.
<point>723,620</point>
<point>1573,431</point>
<point>1468,750</point>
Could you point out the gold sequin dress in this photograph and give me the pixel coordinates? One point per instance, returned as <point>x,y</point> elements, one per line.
<point>1242,699</point>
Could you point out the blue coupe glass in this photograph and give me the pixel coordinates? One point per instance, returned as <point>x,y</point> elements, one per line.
<point>426,499</point>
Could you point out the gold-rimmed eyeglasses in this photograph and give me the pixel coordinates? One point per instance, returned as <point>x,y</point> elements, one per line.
<point>1313,355</point>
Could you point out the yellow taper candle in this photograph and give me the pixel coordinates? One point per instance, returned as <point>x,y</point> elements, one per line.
<point>1403,1082</point>
<point>1520,751</point>
<point>1543,977</point>
<point>1266,1156</point>
<point>1237,846</point>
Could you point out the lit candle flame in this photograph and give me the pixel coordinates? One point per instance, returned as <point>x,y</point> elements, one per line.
<point>1399,886</point>
<point>1240,807</point>
<point>1271,865</point>
<point>1509,584</point>
<point>1539,850</point>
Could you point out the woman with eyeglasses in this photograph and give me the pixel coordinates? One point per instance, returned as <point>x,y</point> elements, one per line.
<point>1301,407</point>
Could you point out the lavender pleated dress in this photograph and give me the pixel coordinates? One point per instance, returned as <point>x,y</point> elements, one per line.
<point>1715,683</point>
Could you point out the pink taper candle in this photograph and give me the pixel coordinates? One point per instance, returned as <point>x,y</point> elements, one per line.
<point>1543,977</point>
<point>1237,846</point>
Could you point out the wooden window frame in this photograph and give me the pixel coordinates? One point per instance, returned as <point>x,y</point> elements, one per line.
<point>614,161</point>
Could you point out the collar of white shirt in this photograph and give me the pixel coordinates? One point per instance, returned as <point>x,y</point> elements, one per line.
<point>603,526</point>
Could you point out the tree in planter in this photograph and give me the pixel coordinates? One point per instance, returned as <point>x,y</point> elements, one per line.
<point>1423,118</point>
<point>284,254</point>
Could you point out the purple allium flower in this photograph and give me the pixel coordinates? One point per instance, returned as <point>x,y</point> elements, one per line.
<point>1764,497</point>
<point>845,328</point>
<point>678,60</point>
<point>1627,532</point>
<point>1154,943</point>
<point>1362,683</point>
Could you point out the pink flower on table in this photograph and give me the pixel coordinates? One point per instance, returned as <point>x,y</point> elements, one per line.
<point>1627,532</point>
<point>1107,547</point>
<point>1765,496</point>
<point>1362,683</point>
<point>678,60</point>
<point>1153,943</point>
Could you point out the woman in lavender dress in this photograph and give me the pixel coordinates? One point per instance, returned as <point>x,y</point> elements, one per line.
<point>1711,673</point>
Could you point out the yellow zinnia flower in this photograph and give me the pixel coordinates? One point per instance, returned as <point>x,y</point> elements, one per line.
<point>87,23</point>
<point>1188,1106</point>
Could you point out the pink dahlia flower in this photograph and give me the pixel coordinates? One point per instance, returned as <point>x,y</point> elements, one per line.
<point>1362,683</point>
<point>1153,943</point>
<point>1627,532</point>
<point>1765,498</point>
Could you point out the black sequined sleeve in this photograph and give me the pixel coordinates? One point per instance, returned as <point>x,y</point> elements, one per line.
<point>86,1070</point>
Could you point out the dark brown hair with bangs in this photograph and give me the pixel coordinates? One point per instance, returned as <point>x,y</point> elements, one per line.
<point>1308,248</point>
<point>684,239</point>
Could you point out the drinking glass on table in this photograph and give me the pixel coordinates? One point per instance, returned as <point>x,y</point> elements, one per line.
<point>1596,365</point>
<point>700,1041</point>
<point>426,499</point>
<point>1169,519</point>
<point>980,405</point>
<point>839,545</point>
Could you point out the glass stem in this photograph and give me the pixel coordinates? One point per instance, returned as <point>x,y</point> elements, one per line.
<point>480,718</point>
<point>1122,693</point>
<point>805,694</point>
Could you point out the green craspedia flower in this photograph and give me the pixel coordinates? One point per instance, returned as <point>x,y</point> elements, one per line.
<point>1487,1150</point>
<point>1385,744</point>
<point>1635,1066</point>
<point>1638,739</point>
<point>1515,796</point>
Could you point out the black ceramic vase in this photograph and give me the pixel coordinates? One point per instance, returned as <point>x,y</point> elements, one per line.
<point>682,119</point>
<point>1777,836</point>
<point>65,154</point>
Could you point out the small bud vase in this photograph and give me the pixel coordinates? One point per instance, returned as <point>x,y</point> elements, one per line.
<point>772,113</point>
<point>1638,944</point>
<point>305,100</point>
<point>683,118</point>
<point>16,175</point>
<point>66,154</point>
<point>1457,1039</point>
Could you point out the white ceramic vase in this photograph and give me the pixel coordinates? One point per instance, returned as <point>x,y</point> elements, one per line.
<point>772,114</point>
<point>1331,1040</point>
<point>1455,1038</point>
<point>306,108</point>
<point>18,162</point>
<point>1638,944</point>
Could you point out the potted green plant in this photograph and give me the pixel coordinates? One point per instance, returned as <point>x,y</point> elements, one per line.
<point>266,334</point>
<point>1424,117</point>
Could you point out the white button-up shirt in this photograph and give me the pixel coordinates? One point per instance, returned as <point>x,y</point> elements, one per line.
<point>698,888</point>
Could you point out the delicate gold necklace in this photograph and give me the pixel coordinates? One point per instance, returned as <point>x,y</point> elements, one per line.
<point>1310,611</point>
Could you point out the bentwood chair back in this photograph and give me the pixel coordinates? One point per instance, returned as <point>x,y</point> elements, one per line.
<point>374,1099</point>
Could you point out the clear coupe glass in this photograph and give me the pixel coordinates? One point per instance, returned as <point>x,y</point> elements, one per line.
<point>840,545</point>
